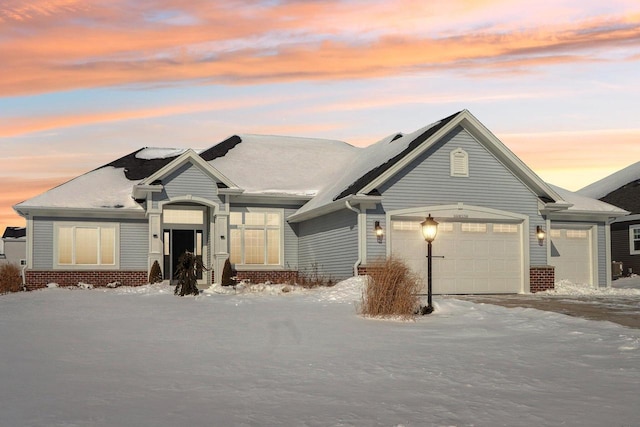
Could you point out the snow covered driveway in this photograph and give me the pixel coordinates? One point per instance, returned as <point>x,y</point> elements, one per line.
<point>142,357</point>
<point>619,304</point>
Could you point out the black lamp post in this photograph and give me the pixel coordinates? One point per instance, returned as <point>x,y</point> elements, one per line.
<point>429,231</point>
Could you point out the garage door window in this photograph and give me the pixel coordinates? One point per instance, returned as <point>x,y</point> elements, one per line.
<point>634,239</point>
<point>474,227</point>
<point>577,234</point>
<point>505,228</point>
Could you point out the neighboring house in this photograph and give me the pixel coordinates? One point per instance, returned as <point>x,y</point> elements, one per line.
<point>622,189</point>
<point>282,206</point>
<point>13,246</point>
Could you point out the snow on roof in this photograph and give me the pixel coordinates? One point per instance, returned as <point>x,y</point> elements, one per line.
<point>283,164</point>
<point>612,182</point>
<point>150,153</point>
<point>366,160</point>
<point>106,187</point>
<point>585,204</point>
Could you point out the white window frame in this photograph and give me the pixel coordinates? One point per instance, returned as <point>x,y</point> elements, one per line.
<point>242,227</point>
<point>632,251</point>
<point>97,225</point>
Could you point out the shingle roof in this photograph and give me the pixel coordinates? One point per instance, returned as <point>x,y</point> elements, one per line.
<point>14,232</point>
<point>378,170</point>
<point>626,197</point>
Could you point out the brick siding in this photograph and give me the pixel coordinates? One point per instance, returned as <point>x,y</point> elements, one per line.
<point>541,278</point>
<point>40,279</point>
<point>284,276</point>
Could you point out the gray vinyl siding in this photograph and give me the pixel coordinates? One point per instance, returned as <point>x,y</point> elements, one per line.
<point>427,181</point>
<point>329,244</point>
<point>375,250</point>
<point>42,244</point>
<point>188,179</point>
<point>134,245</point>
<point>134,241</point>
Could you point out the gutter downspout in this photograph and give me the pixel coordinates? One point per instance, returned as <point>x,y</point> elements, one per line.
<point>24,277</point>
<point>359,260</point>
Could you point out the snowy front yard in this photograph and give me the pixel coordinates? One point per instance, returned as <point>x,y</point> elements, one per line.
<point>143,357</point>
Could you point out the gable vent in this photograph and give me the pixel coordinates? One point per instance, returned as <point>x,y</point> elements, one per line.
<point>459,162</point>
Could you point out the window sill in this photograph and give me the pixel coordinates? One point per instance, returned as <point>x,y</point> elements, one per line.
<point>257,267</point>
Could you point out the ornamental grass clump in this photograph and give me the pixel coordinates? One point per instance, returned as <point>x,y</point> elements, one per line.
<point>391,290</point>
<point>10,280</point>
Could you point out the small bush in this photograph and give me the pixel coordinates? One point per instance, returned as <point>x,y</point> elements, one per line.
<point>155,275</point>
<point>391,290</point>
<point>10,280</point>
<point>312,278</point>
<point>227,274</point>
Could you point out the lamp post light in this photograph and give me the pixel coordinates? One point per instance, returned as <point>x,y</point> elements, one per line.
<point>429,231</point>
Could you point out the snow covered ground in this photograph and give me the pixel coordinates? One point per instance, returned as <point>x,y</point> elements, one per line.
<point>143,357</point>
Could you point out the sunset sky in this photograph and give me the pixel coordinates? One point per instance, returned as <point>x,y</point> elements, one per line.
<point>85,82</point>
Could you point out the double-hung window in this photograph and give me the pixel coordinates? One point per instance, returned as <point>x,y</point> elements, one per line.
<point>86,245</point>
<point>634,239</point>
<point>256,237</point>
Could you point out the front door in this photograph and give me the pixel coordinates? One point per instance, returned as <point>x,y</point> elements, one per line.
<point>181,241</point>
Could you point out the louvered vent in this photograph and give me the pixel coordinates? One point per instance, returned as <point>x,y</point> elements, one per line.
<point>459,163</point>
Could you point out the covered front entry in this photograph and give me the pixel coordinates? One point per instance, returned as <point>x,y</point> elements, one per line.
<point>471,256</point>
<point>184,230</point>
<point>572,254</point>
<point>181,241</point>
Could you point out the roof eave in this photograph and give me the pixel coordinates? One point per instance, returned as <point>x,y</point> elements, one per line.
<point>587,215</point>
<point>94,212</point>
<point>333,207</point>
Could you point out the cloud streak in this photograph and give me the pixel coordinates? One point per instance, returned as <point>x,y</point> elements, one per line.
<point>271,44</point>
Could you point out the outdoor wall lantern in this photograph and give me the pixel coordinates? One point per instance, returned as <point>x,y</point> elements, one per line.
<point>540,235</point>
<point>379,231</point>
<point>429,229</point>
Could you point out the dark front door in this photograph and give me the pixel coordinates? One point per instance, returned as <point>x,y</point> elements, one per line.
<point>183,241</point>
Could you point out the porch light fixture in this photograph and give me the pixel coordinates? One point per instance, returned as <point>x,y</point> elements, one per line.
<point>379,231</point>
<point>540,234</point>
<point>429,229</point>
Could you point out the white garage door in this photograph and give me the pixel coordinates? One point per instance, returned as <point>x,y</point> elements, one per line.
<point>571,255</point>
<point>476,258</point>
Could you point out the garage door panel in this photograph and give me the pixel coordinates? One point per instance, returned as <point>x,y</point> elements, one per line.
<point>571,255</point>
<point>473,261</point>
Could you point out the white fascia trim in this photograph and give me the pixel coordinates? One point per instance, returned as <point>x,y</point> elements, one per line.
<point>626,218</point>
<point>31,211</point>
<point>193,157</point>
<point>271,198</point>
<point>555,207</point>
<point>439,210</point>
<point>140,191</point>
<point>333,207</point>
<point>585,215</point>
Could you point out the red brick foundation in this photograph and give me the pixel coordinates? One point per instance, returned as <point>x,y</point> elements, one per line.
<point>285,276</point>
<point>541,278</point>
<point>362,270</point>
<point>40,279</point>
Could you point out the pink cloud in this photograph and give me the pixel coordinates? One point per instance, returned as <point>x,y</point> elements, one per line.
<point>254,44</point>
